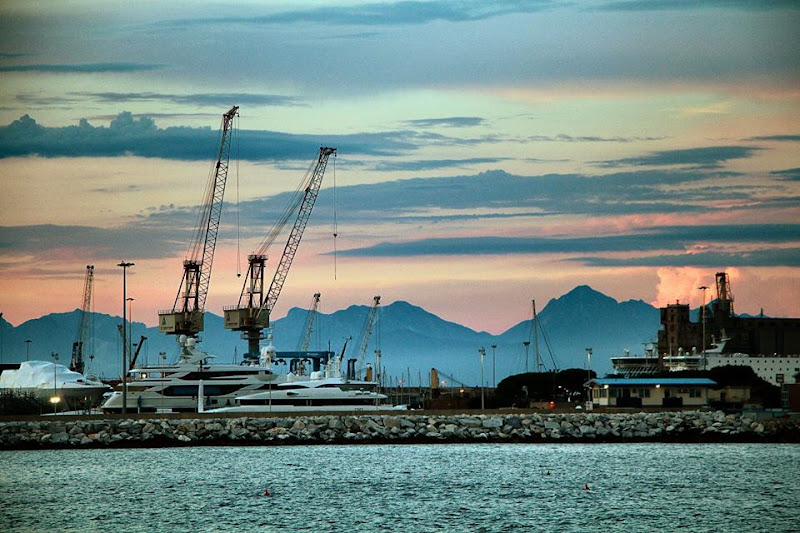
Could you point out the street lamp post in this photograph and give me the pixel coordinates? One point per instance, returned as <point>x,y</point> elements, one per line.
<point>163,364</point>
<point>54,399</point>
<point>588,363</point>
<point>526,344</point>
<point>588,374</point>
<point>130,301</point>
<point>28,349</point>
<point>124,266</point>
<point>482,352</point>
<point>703,311</point>
<point>494,367</point>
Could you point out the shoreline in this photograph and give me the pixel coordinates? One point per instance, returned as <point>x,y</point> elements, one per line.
<point>408,428</point>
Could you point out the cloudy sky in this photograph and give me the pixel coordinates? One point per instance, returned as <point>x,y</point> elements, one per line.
<point>489,153</point>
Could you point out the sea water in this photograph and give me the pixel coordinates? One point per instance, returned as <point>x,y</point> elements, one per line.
<point>414,488</point>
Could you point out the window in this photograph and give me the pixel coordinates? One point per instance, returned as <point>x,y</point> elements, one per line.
<point>644,393</point>
<point>612,393</point>
<point>694,393</point>
<point>779,378</point>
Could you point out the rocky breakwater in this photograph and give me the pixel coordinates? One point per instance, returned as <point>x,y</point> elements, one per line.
<point>686,426</point>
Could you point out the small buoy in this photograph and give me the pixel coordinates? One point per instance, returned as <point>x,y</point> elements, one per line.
<point>585,486</point>
<point>548,472</point>
<point>266,492</point>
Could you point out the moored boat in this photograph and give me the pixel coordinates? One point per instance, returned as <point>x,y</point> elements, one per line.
<point>51,383</point>
<point>175,387</point>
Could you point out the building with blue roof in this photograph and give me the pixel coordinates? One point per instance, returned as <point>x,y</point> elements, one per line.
<point>650,392</point>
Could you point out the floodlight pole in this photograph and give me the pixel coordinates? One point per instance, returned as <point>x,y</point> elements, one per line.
<point>482,352</point>
<point>124,266</point>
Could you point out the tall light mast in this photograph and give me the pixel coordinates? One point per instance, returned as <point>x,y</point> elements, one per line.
<point>251,314</point>
<point>77,363</point>
<point>186,315</point>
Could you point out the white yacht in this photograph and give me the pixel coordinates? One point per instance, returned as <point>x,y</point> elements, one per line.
<point>321,392</point>
<point>174,387</point>
<point>53,383</point>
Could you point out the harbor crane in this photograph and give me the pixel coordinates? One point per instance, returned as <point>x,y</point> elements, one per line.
<point>138,349</point>
<point>308,327</point>
<point>186,315</point>
<point>724,293</point>
<point>251,315</point>
<point>366,332</point>
<point>77,363</point>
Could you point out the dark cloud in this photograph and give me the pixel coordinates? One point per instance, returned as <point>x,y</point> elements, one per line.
<point>408,12</point>
<point>619,193</point>
<point>171,116</point>
<point>790,138</point>
<point>417,202</point>
<point>203,99</point>
<point>40,100</point>
<point>458,122</point>
<point>130,134</point>
<point>666,5</point>
<point>588,138</point>
<point>127,135</point>
<point>199,99</point>
<point>788,257</point>
<point>705,157</point>
<point>663,238</point>
<point>496,194</point>
<point>81,68</point>
<point>435,163</point>
<point>790,174</point>
<point>45,241</point>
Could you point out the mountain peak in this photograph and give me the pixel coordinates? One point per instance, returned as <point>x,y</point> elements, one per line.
<point>583,296</point>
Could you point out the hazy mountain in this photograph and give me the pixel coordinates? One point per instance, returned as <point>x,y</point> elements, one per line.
<point>411,339</point>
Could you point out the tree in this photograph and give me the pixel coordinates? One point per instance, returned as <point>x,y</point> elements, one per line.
<point>520,389</point>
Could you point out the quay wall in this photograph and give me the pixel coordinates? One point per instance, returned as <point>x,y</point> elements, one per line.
<point>680,426</point>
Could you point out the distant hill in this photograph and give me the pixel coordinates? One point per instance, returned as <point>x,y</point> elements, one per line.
<point>412,340</point>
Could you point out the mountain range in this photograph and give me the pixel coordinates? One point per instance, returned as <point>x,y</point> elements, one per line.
<point>411,339</point>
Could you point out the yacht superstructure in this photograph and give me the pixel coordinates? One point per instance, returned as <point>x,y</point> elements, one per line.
<point>327,391</point>
<point>174,387</point>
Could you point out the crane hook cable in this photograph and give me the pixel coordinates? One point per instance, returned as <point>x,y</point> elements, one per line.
<point>335,224</point>
<point>238,207</point>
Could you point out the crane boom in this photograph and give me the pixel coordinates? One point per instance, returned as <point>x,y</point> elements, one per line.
<point>308,327</point>
<point>366,331</point>
<point>451,378</point>
<point>186,316</point>
<point>309,198</point>
<point>138,349</point>
<point>252,313</point>
<point>77,362</point>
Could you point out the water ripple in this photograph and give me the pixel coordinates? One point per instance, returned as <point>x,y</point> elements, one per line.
<point>422,488</point>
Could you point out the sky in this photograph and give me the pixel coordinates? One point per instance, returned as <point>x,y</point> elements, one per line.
<point>489,153</point>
